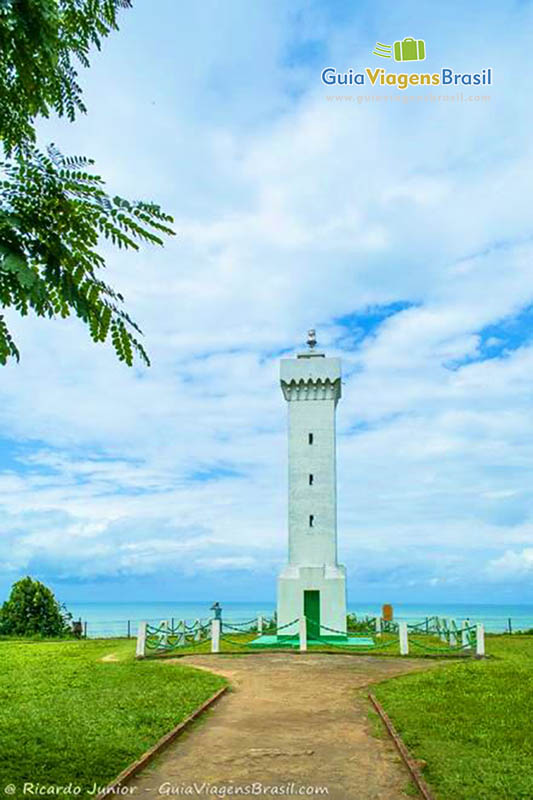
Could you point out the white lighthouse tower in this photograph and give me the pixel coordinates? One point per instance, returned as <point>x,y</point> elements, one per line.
<point>313,583</point>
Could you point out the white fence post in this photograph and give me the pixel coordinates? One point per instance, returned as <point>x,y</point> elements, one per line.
<point>303,633</point>
<point>480,639</point>
<point>404,640</point>
<point>198,634</point>
<point>453,630</point>
<point>260,624</point>
<point>464,634</point>
<point>215,636</point>
<point>182,632</point>
<point>378,626</point>
<point>141,640</point>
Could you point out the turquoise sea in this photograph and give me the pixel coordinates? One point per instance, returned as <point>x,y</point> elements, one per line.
<point>111,619</point>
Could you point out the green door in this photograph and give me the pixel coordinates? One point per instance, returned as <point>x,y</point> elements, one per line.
<point>312,613</point>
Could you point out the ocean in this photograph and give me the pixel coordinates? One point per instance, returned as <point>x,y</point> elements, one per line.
<point>119,619</point>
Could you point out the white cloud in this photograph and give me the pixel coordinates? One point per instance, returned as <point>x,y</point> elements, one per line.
<point>291,211</point>
<point>512,565</point>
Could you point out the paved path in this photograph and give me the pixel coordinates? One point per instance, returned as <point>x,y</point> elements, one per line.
<point>289,718</point>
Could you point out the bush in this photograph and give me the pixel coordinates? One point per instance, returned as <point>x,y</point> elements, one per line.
<point>32,610</point>
<point>356,625</point>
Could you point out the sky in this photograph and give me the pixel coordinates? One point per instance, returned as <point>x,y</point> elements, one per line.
<point>401,231</point>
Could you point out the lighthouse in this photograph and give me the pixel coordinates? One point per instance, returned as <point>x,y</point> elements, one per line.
<point>312,584</point>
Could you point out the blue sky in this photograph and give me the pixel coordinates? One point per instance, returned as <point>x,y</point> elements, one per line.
<point>400,231</point>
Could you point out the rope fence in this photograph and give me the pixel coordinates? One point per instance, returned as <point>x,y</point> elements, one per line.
<point>431,637</point>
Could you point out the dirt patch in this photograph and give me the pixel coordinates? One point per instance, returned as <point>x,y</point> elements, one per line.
<point>110,657</point>
<point>290,719</point>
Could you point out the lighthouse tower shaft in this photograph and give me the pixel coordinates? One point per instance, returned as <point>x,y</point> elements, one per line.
<point>313,584</point>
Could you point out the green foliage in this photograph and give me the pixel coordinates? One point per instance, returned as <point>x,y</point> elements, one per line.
<point>355,625</point>
<point>54,211</point>
<point>40,43</point>
<point>470,722</point>
<point>32,610</point>
<point>66,716</point>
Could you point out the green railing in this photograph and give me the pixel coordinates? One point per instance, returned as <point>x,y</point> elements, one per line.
<point>248,639</point>
<point>167,637</point>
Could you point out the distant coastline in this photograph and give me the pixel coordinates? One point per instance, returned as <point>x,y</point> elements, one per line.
<point>111,619</point>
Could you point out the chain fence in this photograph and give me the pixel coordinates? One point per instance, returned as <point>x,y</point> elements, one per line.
<point>430,637</point>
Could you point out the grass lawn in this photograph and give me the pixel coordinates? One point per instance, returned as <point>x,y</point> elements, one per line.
<point>471,722</point>
<point>66,716</point>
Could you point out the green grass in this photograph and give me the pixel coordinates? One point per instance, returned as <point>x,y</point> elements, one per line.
<point>471,722</point>
<point>68,717</point>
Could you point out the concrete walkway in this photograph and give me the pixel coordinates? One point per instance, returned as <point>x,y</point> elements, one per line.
<point>299,719</point>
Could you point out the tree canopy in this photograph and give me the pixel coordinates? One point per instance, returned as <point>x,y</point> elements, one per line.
<point>32,610</point>
<point>54,210</point>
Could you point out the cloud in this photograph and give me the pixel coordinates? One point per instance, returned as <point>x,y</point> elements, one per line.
<point>292,212</point>
<point>513,565</point>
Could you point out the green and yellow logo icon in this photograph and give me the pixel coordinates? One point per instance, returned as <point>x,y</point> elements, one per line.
<point>407,49</point>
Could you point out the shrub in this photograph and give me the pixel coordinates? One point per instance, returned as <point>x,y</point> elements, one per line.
<point>356,625</point>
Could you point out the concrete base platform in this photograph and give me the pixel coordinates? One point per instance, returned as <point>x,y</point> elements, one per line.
<point>328,582</point>
<point>280,641</point>
<point>272,641</point>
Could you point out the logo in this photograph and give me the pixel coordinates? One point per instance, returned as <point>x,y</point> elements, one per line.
<point>404,50</point>
<point>407,49</point>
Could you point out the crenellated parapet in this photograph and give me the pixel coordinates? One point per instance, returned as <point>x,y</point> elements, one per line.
<point>311,389</point>
<point>311,376</point>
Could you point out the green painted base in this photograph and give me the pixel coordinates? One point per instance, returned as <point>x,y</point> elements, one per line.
<point>290,641</point>
<point>273,641</point>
